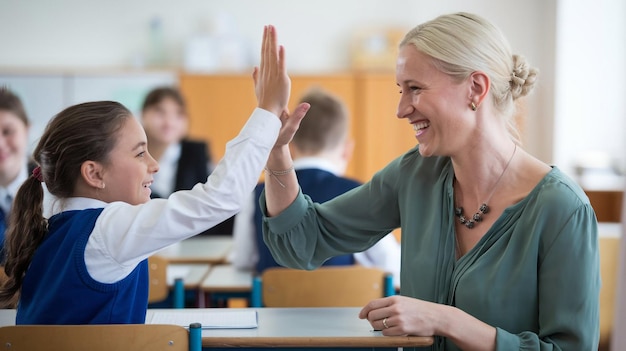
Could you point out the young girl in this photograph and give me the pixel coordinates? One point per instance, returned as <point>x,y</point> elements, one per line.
<point>87,263</point>
<point>183,162</point>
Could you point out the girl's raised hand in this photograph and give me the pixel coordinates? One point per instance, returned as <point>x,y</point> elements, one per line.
<point>272,85</point>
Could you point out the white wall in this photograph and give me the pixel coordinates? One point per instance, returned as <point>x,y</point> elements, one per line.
<point>96,34</point>
<point>590,102</point>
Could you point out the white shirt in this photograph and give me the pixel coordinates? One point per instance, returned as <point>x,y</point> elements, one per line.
<point>385,254</point>
<point>125,234</point>
<point>165,178</point>
<point>8,193</point>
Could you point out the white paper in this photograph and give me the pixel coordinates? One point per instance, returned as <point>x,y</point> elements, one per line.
<point>215,319</point>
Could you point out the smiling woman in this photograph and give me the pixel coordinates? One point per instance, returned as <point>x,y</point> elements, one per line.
<point>459,83</point>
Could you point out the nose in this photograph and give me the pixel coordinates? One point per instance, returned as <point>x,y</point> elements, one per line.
<point>153,165</point>
<point>405,107</point>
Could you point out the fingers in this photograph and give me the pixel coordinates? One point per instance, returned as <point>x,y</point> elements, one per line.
<point>255,75</point>
<point>373,306</point>
<point>299,113</point>
<point>272,84</point>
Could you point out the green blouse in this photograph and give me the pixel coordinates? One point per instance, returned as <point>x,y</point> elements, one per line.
<point>534,275</point>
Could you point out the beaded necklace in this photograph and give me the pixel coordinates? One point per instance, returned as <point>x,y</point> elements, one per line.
<point>484,208</point>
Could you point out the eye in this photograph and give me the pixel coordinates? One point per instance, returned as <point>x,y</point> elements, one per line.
<point>415,88</point>
<point>141,154</point>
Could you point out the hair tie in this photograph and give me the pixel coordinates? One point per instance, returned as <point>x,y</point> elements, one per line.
<point>37,174</point>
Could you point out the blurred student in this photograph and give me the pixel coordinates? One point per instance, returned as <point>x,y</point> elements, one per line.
<point>183,162</point>
<point>87,263</point>
<point>321,150</point>
<point>14,167</point>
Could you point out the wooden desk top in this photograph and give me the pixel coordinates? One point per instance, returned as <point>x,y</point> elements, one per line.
<point>199,249</point>
<point>292,327</point>
<point>304,327</point>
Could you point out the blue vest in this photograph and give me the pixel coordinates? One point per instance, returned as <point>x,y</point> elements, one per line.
<point>321,186</point>
<point>57,289</point>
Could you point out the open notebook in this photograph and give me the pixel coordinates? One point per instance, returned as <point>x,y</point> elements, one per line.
<point>210,319</point>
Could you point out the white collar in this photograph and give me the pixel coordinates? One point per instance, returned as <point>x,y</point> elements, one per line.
<point>53,205</point>
<point>316,162</point>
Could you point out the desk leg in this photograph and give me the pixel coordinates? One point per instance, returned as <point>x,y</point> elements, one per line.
<point>200,299</point>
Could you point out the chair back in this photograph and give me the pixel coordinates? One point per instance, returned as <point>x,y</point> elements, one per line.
<point>136,337</point>
<point>157,268</point>
<point>332,286</point>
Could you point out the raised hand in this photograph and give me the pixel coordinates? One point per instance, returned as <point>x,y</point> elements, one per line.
<point>272,85</point>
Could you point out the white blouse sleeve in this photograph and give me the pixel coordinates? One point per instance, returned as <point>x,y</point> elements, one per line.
<point>124,235</point>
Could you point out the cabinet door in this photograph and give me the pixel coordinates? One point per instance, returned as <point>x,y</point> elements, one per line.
<point>380,135</point>
<point>340,85</point>
<point>218,107</point>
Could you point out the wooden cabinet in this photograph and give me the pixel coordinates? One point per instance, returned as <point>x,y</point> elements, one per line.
<point>219,105</point>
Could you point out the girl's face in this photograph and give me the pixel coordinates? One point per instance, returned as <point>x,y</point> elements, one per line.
<point>165,122</point>
<point>129,172</point>
<point>13,145</point>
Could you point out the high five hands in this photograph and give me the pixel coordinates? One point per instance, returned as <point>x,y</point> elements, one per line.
<point>272,86</point>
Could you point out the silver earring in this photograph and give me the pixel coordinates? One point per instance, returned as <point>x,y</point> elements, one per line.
<point>473,106</point>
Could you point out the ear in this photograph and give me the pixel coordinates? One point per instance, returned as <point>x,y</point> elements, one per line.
<point>93,174</point>
<point>479,87</point>
<point>348,150</point>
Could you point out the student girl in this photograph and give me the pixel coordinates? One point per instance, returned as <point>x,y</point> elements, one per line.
<point>87,262</point>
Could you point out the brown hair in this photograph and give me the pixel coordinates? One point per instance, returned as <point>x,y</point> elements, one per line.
<point>12,103</point>
<point>77,134</point>
<point>326,124</point>
<point>157,95</point>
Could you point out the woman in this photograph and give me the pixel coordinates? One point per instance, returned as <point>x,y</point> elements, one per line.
<point>489,232</point>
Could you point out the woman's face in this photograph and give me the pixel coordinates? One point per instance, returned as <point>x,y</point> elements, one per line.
<point>165,122</point>
<point>13,145</point>
<point>433,102</point>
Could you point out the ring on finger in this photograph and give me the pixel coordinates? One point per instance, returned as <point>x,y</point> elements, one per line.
<point>385,323</point>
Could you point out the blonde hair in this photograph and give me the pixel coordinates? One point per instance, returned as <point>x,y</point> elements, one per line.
<point>462,43</point>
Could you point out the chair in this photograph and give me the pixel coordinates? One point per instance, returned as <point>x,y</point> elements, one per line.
<point>336,286</point>
<point>159,289</point>
<point>609,248</point>
<point>136,337</point>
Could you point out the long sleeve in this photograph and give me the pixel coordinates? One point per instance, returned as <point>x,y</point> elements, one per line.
<point>306,233</point>
<point>245,254</point>
<point>124,234</point>
<point>534,275</point>
<point>568,292</point>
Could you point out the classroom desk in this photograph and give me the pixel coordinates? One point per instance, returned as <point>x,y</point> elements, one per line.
<point>199,249</point>
<point>226,281</point>
<point>192,275</point>
<point>303,327</point>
